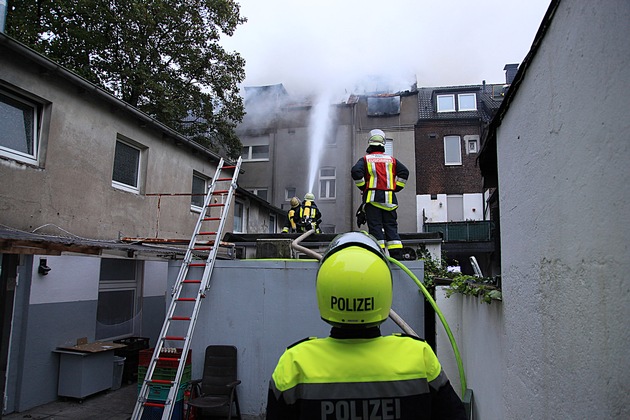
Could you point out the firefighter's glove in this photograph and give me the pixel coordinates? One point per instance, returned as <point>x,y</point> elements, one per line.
<point>361,218</point>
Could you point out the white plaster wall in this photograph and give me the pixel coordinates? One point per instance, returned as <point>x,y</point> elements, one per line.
<point>71,279</point>
<point>473,208</point>
<point>563,156</point>
<point>155,278</point>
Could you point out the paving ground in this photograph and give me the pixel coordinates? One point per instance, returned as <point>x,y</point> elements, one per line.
<point>107,405</point>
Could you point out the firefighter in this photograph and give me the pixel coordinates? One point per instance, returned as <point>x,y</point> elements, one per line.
<point>310,216</point>
<point>356,373</point>
<point>291,224</point>
<point>380,177</point>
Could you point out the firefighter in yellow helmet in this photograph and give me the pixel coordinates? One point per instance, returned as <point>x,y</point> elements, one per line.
<point>356,373</point>
<point>310,216</point>
<point>380,176</point>
<point>291,224</point>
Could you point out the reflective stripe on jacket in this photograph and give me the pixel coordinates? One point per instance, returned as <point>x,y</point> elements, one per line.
<point>391,377</point>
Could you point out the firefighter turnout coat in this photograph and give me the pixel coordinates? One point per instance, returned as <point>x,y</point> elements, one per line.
<point>381,377</point>
<point>379,176</point>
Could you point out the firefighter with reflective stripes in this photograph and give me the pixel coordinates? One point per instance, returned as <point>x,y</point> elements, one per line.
<point>309,214</point>
<point>356,373</point>
<point>380,176</point>
<point>291,224</point>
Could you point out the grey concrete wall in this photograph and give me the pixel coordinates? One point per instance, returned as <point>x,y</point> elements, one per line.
<point>261,307</point>
<point>557,347</point>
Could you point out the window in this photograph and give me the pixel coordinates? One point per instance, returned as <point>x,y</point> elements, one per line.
<point>382,106</point>
<point>260,192</point>
<point>452,150</point>
<point>472,146</point>
<point>256,149</point>
<point>126,174</point>
<point>272,223</point>
<point>199,191</point>
<point>467,101</point>
<point>389,147</point>
<point>119,300</point>
<point>239,217</point>
<point>445,103</point>
<point>327,183</point>
<point>19,128</point>
<point>289,193</point>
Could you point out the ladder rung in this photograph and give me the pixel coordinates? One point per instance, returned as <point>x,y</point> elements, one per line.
<point>160,381</point>
<point>197,264</point>
<point>224,179</point>
<point>172,337</point>
<point>168,359</point>
<point>209,219</point>
<point>180,318</point>
<point>217,192</point>
<point>186,299</point>
<point>154,404</point>
<point>216,205</point>
<point>229,167</point>
<point>207,233</point>
<point>191,281</point>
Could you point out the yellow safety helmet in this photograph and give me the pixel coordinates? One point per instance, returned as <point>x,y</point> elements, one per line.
<point>377,138</point>
<point>354,282</point>
<point>295,202</point>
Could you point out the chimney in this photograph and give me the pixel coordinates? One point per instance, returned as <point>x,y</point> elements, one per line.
<point>510,72</point>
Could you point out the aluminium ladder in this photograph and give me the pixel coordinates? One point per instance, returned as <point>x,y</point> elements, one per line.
<point>180,316</point>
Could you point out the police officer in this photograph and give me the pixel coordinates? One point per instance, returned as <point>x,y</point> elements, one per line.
<point>356,373</point>
<point>379,177</point>
<point>291,224</point>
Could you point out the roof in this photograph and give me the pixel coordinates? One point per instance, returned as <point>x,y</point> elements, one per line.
<point>489,99</point>
<point>84,85</point>
<point>13,241</point>
<point>488,154</point>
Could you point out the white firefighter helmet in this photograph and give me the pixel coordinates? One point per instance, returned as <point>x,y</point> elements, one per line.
<point>377,138</point>
<point>309,197</point>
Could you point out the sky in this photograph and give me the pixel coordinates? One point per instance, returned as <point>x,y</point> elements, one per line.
<point>355,46</point>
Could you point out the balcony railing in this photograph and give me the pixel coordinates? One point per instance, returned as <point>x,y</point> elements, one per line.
<point>472,231</point>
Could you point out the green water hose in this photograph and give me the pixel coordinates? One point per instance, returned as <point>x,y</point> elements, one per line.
<point>427,295</point>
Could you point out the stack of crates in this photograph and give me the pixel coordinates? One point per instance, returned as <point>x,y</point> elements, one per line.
<point>166,370</point>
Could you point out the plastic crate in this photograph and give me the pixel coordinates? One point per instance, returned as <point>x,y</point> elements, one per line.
<point>146,355</point>
<point>155,413</point>
<point>159,393</point>
<point>164,373</point>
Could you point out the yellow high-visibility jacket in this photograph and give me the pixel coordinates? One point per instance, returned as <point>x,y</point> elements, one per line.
<point>383,377</point>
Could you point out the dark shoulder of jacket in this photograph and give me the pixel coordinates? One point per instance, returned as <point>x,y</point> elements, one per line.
<point>409,336</point>
<point>301,341</point>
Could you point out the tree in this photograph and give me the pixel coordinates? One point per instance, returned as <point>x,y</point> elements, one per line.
<point>161,56</point>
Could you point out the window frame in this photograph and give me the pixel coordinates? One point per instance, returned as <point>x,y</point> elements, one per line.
<point>247,153</point>
<point>326,181</point>
<point>442,96</point>
<point>459,102</point>
<point>287,195</point>
<point>459,151</point>
<point>206,180</point>
<point>35,127</point>
<point>241,216</point>
<point>255,191</point>
<point>121,185</point>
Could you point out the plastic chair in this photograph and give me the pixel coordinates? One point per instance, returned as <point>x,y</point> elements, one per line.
<point>215,393</point>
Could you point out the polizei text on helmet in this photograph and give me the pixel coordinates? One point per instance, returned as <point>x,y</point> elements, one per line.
<point>359,304</point>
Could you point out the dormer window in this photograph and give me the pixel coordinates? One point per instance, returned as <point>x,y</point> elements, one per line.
<point>453,103</point>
